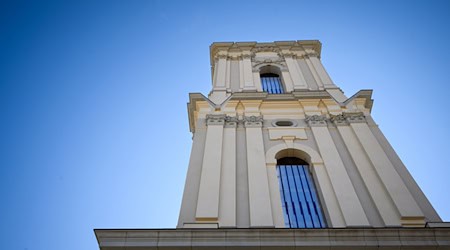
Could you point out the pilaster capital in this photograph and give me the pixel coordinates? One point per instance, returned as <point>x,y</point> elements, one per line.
<point>339,120</point>
<point>215,119</point>
<point>253,121</point>
<point>347,118</point>
<point>231,121</point>
<point>222,55</point>
<point>316,120</point>
<point>357,117</point>
<point>246,55</point>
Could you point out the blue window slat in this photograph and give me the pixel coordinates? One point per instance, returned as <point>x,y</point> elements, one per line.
<point>264,83</point>
<point>301,207</point>
<point>279,89</point>
<point>274,85</point>
<point>296,203</point>
<point>305,202</point>
<point>283,201</point>
<point>293,215</point>
<point>271,85</point>
<point>288,199</point>
<point>314,219</point>
<point>314,197</point>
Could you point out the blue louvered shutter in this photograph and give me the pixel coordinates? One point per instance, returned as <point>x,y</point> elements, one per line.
<point>301,207</point>
<point>271,84</point>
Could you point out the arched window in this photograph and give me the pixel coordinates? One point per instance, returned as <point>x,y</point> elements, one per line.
<point>271,83</point>
<point>301,206</point>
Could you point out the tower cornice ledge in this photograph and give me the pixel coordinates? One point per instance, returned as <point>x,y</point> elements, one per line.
<point>342,238</point>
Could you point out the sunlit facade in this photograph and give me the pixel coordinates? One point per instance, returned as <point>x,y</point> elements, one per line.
<point>282,159</point>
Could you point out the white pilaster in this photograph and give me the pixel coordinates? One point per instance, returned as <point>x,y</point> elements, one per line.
<point>314,73</point>
<point>377,191</point>
<point>324,77</point>
<point>404,201</point>
<point>259,194</point>
<point>220,83</point>
<point>287,81</point>
<point>275,198</point>
<point>331,206</point>
<point>227,203</point>
<point>349,203</point>
<point>208,197</point>
<point>298,79</point>
<point>228,75</point>
<point>241,74</point>
<point>248,73</point>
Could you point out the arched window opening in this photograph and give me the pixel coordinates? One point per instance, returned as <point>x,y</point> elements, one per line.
<point>301,206</point>
<point>271,83</point>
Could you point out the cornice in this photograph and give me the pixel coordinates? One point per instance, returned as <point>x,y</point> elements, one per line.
<point>283,238</point>
<point>298,48</point>
<point>293,96</point>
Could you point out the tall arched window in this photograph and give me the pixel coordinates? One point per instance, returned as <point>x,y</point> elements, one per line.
<point>301,206</point>
<point>271,83</point>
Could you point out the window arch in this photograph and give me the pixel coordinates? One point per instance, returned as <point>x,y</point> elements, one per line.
<point>271,80</point>
<point>300,203</point>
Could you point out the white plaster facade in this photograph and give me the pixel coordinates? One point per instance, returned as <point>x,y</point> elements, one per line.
<point>231,198</point>
<point>231,180</point>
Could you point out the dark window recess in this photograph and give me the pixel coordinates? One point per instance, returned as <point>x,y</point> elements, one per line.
<point>271,83</point>
<point>301,207</point>
<point>284,123</point>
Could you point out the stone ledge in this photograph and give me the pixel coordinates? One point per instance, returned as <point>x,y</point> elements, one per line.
<point>345,238</point>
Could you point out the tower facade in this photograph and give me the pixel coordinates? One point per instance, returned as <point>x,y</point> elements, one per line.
<point>282,159</point>
<point>277,144</point>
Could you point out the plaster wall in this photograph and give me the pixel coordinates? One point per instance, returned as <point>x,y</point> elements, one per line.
<point>254,199</point>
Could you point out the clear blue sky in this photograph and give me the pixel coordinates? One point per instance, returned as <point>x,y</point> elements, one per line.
<point>85,142</point>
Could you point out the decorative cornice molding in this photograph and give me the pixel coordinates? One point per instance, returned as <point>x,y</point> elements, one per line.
<point>316,120</point>
<point>231,121</point>
<point>215,119</point>
<point>357,117</point>
<point>253,121</point>
<point>265,48</point>
<point>279,61</point>
<point>347,118</point>
<point>339,120</point>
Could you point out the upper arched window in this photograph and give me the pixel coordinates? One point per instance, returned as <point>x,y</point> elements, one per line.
<point>301,206</point>
<point>271,81</point>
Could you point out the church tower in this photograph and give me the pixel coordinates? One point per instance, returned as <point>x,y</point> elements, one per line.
<point>277,144</point>
<point>282,159</point>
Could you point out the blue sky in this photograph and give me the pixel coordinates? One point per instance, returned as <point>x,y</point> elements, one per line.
<point>85,142</point>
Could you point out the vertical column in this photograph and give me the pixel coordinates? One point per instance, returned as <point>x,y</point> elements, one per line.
<point>404,201</point>
<point>377,191</point>
<point>248,72</point>
<point>259,194</point>
<point>287,81</point>
<point>228,75</point>
<point>275,198</point>
<point>314,72</point>
<point>241,74</point>
<point>190,194</point>
<point>208,196</point>
<point>324,77</point>
<point>257,81</point>
<point>298,79</point>
<point>221,70</point>
<point>227,203</point>
<point>331,204</point>
<point>349,203</point>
